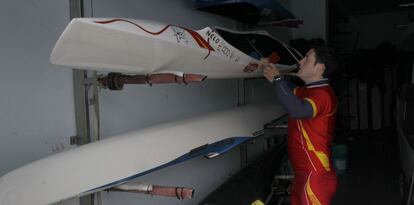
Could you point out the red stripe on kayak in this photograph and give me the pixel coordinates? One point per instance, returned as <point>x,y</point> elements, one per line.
<point>209,51</point>
<point>200,40</point>
<point>197,37</point>
<point>116,20</point>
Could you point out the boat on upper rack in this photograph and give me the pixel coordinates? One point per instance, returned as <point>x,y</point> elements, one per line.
<point>251,12</point>
<point>145,47</point>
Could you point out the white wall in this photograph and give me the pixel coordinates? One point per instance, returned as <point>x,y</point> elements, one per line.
<point>36,99</point>
<point>180,12</point>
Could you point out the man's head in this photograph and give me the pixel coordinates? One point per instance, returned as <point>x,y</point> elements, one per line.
<point>319,62</point>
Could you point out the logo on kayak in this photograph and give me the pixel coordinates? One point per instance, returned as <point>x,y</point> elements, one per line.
<point>251,67</point>
<point>180,35</point>
<point>221,46</point>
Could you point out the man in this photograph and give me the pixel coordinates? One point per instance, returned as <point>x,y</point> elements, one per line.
<point>311,125</point>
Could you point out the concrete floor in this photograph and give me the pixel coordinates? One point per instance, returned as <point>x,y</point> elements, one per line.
<point>373,174</point>
<point>372,177</point>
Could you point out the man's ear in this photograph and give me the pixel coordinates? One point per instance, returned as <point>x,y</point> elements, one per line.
<point>321,68</point>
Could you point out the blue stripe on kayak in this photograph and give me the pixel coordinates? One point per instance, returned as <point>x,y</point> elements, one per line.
<point>219,147</point>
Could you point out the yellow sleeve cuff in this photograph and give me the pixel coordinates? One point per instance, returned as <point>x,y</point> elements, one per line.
<point>257,202</point>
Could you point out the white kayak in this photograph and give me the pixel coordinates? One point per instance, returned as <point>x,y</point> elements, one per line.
<point>113,161</point>
<point>145,47</point>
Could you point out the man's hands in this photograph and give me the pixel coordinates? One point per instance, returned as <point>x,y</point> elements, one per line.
<point>269,69</point>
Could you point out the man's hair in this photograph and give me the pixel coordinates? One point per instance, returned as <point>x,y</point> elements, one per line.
<point>325,55</point>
